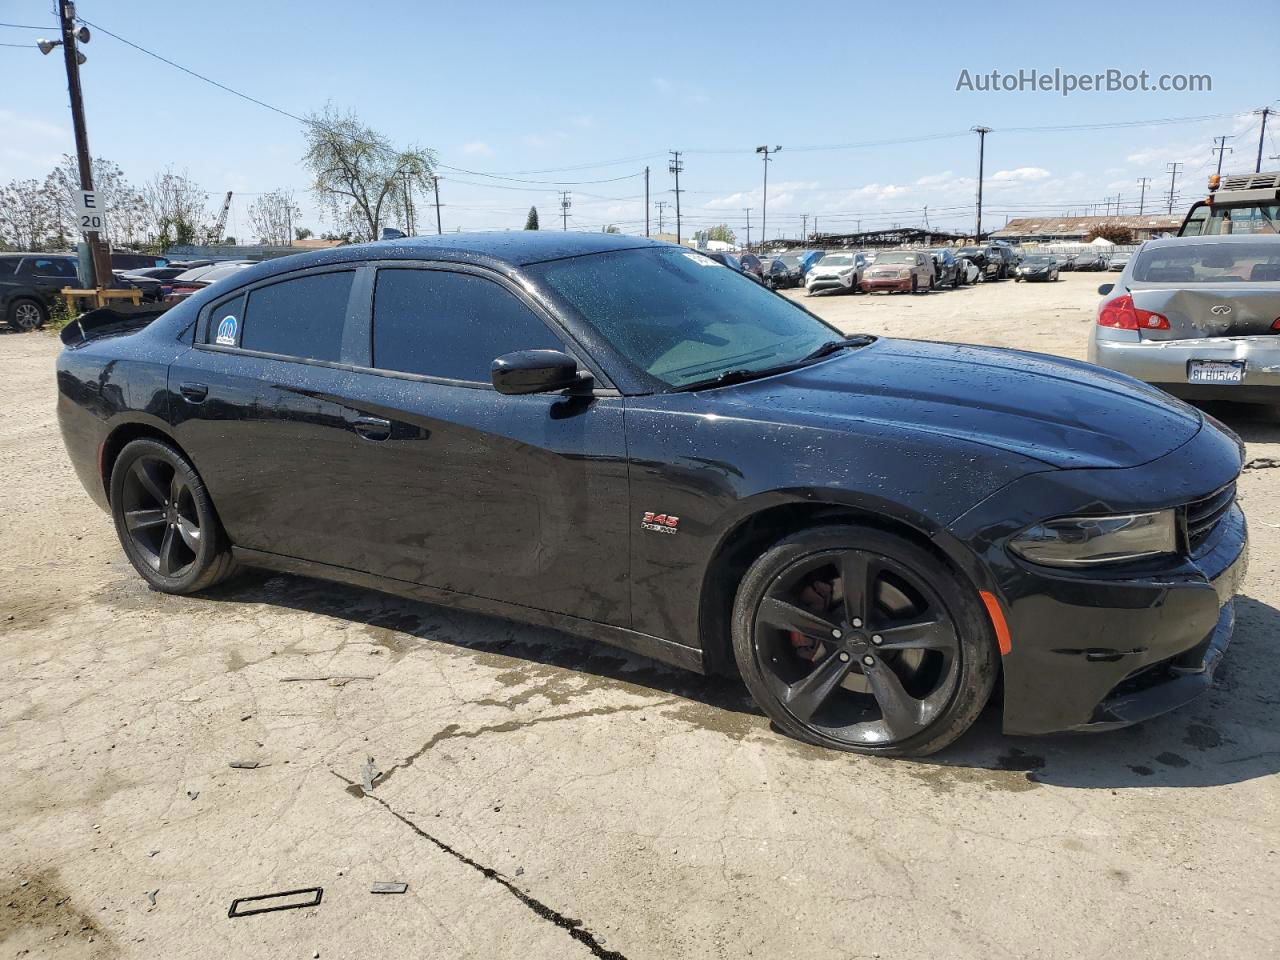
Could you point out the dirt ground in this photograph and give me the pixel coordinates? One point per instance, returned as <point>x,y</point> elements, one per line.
<point>545,797</point>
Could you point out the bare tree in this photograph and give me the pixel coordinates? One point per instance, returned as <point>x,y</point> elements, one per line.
<point>27,215</point>
<point>124,212</point>
<point>359,175</point>
<point>175,206</point>
<point>272,216</point>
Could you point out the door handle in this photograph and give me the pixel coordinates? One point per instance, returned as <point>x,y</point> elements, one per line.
<point>373,428</point>
<point>195,392</point>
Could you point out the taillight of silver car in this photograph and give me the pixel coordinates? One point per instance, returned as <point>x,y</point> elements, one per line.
<point>1123,315</point>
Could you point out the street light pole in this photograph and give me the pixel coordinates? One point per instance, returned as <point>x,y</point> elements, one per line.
<point>764,200</point>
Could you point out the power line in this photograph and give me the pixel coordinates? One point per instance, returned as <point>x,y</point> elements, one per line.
<point>29,26</point>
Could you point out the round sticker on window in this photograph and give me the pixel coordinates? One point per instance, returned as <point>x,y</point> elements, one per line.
<point>227,331</point>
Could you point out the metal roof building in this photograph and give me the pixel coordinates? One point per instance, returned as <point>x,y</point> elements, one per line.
<point>1077,228</point>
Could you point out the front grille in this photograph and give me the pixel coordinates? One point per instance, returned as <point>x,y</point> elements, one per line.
<point>1203,515</point>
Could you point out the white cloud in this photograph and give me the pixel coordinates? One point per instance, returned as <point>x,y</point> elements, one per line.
<point>477,148</point>
<point>1021,175</point>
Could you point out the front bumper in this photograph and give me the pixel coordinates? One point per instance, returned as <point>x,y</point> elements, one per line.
<point>900,284</point>
<point>830,282</point>
<point>1033,277</point>
<point>1165,363</point>
<point>1109,653</point>
<point>1093,648</point>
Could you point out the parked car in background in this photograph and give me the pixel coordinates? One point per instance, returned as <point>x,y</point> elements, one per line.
<point>752,264</point>
<point>807,262</point>
<point>1197,316</point>
<point>1090,261</point>
<point>988,264</point>
<point>837,271</point>
<point>1119,261</point>
<point>1037,267</point>
<point>129,262</point>
<point>968,271</point>
<point>776,273</point>
<point>794,262</point>
<point>946,268</point>
<point>185,284</point>
<point>732,262</point>
<point>30,283</point>
<point>152,290</point>
<point>904,271</point>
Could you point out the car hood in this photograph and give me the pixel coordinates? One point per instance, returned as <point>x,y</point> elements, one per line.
<point>1061,412</point>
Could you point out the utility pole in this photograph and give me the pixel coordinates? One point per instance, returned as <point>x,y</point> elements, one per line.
<point>659,204</point>
<point>815,224</point>
<point>1142,197</point>
<point>675,166</point>
<point>565,203</point>
<point>646,201</point>
<point>99,266</point>
<point>982,147</point>
<point>747,211</point>
<point>1220,147</point>
<point>764,204</point>
<point>1173,179</point>
<point>435,187</point>
<point>1266,112</point>
<point>804,228</point>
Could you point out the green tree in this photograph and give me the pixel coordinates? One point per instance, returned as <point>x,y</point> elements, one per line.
<point>723,233</point>
<point>531,221</point>
<point>611,228</point>
<point>357,172</point>
<point>1112,232</point>
<point>302,233</point>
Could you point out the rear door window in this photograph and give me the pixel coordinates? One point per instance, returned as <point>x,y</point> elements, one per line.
<point>438,323</point>
<point>303,317</point>
<point>225,323</point>
<point>50,267</point>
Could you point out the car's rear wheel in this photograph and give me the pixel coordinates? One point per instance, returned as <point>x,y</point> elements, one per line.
<point>915,284</point>
<point>25,315</point>
<point>860,640</point>
<point>166,521</point>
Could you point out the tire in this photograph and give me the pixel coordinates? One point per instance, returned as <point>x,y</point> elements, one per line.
<point>775,661</point>
<point>25,315</point>
<point>166,521</point>
<point>915,284</point>
<point>955,281</point>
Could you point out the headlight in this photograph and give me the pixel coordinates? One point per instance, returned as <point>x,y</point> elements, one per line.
<point>846,271</point>
<point>1081,541</point>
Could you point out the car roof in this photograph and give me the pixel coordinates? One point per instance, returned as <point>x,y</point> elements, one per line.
<point>1272,238</point>
<point>513,248</point>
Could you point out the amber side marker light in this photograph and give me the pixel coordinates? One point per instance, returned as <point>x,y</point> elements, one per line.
<point>997,621</point>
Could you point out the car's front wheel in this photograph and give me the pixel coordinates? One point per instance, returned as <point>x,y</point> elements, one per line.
<point>24,315</point>
<point>165,519</point>
<point>860,640</point>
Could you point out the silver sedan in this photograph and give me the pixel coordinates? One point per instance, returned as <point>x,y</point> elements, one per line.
<point>1197,316</point>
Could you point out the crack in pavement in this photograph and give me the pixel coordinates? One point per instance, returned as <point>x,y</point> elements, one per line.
<point>574,928</point>
<point>453,731</point>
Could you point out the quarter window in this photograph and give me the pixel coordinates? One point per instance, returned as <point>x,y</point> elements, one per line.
<point>225,322</point>
<point>438,323</point>
<point>302,317</point>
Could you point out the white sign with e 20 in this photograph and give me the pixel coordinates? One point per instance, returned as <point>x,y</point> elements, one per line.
<point>88,213</point>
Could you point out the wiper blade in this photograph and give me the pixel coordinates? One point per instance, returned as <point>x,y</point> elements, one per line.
<point>743,375</point>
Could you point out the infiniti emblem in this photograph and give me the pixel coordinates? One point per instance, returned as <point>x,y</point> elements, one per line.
<point>1220,309</point>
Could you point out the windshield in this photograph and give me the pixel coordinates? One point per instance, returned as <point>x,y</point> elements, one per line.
<point>681,322</point>
<point>790,259</point>
<point>837,259</point>
<point>896,256</point>
<point>1206,221</point>
<point>1036,261</point>
<point>1210,263</point>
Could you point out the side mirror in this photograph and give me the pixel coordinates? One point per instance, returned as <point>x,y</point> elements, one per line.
<point>533,371</point>
<point>1106,288</point>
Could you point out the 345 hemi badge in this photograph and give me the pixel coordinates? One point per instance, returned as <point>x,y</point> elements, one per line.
<point>660,523</point>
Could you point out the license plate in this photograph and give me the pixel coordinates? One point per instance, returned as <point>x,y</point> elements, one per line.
<point>1215,371</point>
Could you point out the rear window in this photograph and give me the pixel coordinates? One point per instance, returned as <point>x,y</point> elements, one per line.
<point>50,267</point>
<point>1210,263</point>
<point>303,317</point>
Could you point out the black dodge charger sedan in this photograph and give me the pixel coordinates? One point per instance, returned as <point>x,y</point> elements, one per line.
<point>621,439</point>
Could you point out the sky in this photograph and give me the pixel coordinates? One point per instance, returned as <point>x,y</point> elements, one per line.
<point>523,100</point>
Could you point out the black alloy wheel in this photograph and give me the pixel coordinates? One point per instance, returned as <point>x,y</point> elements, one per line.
<point>165,519</point>
<point>861,640</point>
